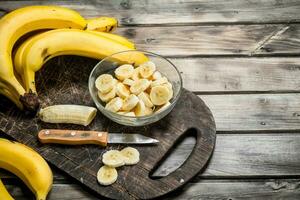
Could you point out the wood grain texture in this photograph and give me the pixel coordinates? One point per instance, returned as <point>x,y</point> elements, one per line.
<point>132,12</point>
<point>236,155</point>
<point>240,74</point>
<point>260,189</point>
<point>83,162</point>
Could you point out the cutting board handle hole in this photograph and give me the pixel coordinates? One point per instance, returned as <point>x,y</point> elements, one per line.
<point>183,145</point>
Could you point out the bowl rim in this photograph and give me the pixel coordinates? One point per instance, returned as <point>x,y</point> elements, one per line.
<point>135,117</point>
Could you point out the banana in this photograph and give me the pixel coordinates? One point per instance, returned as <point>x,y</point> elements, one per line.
<point>130,102</point>
<point>156,75</point>
<point>146,99</point>
<point>128,82</point>
<point>4,193</point>
<point>116,38</point>
<point>139,86</point>
<point>113,158</point>
<point>71,114</point>
<point>159,81</point>
<point>24,20</point>
<point>107,175</point>
<point>114,105</point>
<point>136,74</point>
<point>131,155</point>
<point>122,90</point>
<point>163,107</point>
<point>71,42</point>
<point>130,114</point>
<point>105,83</point>
<point>105,97</point>
<point>170,87</point>
<point>148,111</point>
<point>147,69</point>
<point>140,109</point>
<point>124,71</point>
<point>159,95</point>
<point>28,165</point>
<point>104,24</point>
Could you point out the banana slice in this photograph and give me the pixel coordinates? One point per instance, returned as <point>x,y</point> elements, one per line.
<point>130,102</point>
<point>170,87</point>
<point>122,90</point>
<point>105,97</point>
<point>130,114</point>
<point>128,82</point>
<point>146,99</point>
<point>148,111</point>
<point>113,158</point>
<point>147,69</point>
<point>104,83</point>
<point>159,95</point>
<point>156,75</point>
<point>136,74</point>
<point>158,82</point>
<point>124,71</point>
<point>140,108</point>
<point>107,175</point>
<point>131,155</point>
<point>139,86</point>
<point>114,105</point>
<point>163,107</point>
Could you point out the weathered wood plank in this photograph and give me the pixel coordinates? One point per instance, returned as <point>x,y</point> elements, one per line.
<point>132,12</point>
<point>259,189</point>
<point>239,155</point>
<point>255,111</point>
<point>239,74</point>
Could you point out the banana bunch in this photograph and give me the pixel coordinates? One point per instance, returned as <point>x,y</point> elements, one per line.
<point>136,91</point>
<point>73,36</point>
<point>28,165</point>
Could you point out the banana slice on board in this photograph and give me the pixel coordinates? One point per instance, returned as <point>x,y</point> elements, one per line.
<point>147,69</point>
<point>113,158</point>
<point>107,175</point>
<point>114,105</point>
<point>131,155</point>
<point>159,95</point>
<point>130,102</point>
<point>140,109</point>
<point>139,86</point>
<point>146,99</point>
<point>104,83</point>
<point>124,71</point>
<point>122,90</point>
<point>105,97</point>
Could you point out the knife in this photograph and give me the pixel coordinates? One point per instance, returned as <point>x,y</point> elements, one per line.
<point>76,137</point>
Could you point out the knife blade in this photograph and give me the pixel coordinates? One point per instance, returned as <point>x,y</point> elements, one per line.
<point>76,137</point>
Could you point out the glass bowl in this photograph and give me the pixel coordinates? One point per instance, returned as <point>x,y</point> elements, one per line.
<point>163,65</point>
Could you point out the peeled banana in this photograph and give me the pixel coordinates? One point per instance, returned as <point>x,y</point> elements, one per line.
<point>24,20</point>
<point>107,175</point>
<point>113,158</point>
<point>131,156</point>
<point>28,165</point>
<point>70,42</point>
<point>72,114</point>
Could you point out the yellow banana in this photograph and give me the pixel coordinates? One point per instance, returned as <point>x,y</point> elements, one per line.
<point>105,24</point>
<point>4,193</point>
<point>22,21</point>
<point>69,42</point>
<point>28,165</point>
<point>19,54</point>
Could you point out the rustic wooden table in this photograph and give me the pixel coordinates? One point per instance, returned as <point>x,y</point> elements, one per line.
<point>241,58</point>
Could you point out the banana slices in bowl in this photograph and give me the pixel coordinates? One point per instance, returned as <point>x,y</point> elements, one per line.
<point>135,92</point>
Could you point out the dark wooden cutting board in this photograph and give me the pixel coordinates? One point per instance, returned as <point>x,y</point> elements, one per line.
<point>64,81</point>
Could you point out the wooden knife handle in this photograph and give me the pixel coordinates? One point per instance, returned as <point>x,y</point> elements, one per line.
<point>73,137</point>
